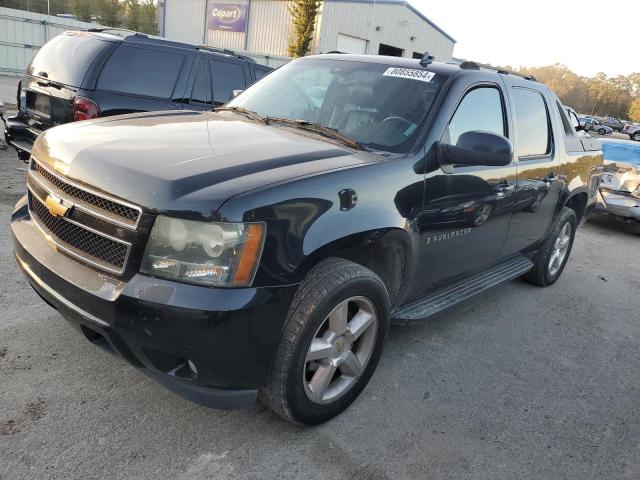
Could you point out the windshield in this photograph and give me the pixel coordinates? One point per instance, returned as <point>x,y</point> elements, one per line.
<point>380,106</point>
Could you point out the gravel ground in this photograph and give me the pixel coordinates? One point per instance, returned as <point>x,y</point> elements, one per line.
<point>522,383</point>
<point>8,88</point>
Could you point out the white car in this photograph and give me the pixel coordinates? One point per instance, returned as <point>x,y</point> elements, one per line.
<point>619,191</point>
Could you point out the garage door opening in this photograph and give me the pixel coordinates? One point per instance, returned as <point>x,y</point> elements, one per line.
<point>389,50</point>
<point>349,44</point>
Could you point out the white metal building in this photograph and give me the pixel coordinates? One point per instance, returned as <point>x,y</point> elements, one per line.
<point>388,27</point>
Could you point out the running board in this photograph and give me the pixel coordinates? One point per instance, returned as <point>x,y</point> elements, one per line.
<point>456,292</point>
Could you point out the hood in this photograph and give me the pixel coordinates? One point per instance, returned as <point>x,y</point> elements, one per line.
<point>187,161</point>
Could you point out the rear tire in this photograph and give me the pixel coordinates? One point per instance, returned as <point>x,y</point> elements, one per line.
<point>553,254</point>
<point>319,369</point>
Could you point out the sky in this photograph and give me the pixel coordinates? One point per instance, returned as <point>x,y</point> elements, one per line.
<point>588,36</point>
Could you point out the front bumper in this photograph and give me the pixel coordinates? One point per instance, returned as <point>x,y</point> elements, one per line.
<point>210,345</point>
<point>620,204</point>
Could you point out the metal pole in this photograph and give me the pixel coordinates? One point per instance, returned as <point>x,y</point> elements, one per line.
<point>246,25</point>
<point>48,8</point>
<point>204,30</point>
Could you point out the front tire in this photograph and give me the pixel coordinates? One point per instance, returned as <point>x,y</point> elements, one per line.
<point>636,136</point>
<point>331,343</point>
<point>553,254</point>
<point>602,131</point>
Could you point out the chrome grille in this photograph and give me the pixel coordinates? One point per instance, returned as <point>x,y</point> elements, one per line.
<point>100,249</point>
<point>90,227</point>
<point>130,215</point>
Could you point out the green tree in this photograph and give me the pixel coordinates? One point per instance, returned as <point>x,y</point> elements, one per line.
<point>304,14</point>
<point>81,9</point>
<point>140,15</point>
<point>148,18</point>
<point>634,110</point>
<point>569,87</point>
<point>131,15</point>
<point>109,12</point>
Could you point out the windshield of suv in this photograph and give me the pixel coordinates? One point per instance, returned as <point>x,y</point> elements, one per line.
<point>379,106</point>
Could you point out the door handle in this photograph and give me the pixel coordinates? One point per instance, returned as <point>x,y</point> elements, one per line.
<point>503,188</point>
<point>549,179</point>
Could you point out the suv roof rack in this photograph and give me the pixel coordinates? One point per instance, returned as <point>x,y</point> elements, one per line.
<point>225,51</point>
<point>114,30</point>
<point>470,65</point>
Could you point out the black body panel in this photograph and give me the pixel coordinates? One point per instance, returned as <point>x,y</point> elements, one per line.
<point>419,223</point>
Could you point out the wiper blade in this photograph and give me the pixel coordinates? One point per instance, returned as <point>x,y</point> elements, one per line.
<point>242,111</point>
<point>319,128</point>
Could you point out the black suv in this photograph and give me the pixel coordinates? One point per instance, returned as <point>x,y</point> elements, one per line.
<point>266,246</point>
<point>80,75</point>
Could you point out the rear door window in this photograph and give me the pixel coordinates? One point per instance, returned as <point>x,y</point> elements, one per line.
<point>261,71</point>
<point>227,77</point>
<point>533,138</point>
<point>201,91</point>
<point>141,71</point>
<point>66,58</point>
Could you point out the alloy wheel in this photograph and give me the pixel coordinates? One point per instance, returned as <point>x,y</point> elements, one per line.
<point>340,350</point>
<point>560,249</point>
<point>482,215</point>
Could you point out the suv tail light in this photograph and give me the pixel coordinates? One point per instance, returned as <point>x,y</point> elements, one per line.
<point>84,109</point>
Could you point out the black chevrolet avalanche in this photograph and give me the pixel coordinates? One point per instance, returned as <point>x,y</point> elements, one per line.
<point>263,249</point>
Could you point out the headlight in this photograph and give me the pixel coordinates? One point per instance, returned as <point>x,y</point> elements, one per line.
<point>209,253</point>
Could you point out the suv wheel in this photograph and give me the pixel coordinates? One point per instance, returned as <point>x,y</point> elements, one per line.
<point>636,136</point>
<point>554,252</point>
<point>602,131</point>
<point>331,343</point>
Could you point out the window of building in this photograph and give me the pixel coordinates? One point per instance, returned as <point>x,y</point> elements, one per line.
<point>390,51</point>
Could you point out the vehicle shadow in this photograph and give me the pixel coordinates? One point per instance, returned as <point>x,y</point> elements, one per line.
<point>609,224</point>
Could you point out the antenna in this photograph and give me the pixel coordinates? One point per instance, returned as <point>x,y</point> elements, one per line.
<point>426,59</point>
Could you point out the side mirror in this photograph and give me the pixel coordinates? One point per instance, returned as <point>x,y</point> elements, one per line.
<point>477,148</point>
<point>235,93</point>
<point>588,126</point>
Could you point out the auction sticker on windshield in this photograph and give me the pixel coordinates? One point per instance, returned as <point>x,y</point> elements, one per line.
<point>412,73</point>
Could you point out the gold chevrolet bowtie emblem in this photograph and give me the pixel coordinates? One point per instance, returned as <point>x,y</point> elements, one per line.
<point>55,206</point>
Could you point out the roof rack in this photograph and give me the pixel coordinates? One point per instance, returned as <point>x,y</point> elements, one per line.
<point>469,65</point>
<point>114,29</point>
<point>522,75</point>
<point>225,51</point>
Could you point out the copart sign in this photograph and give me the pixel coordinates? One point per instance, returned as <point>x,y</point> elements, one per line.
<point>231,17</point>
